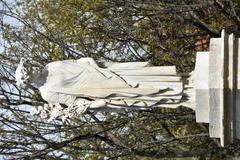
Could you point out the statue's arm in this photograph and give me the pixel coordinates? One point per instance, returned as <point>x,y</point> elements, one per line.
<point>79,103</point>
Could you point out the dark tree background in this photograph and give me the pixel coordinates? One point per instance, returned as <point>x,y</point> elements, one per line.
<point>164,32</point>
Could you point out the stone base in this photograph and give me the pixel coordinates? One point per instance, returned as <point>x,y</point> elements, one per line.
<point>217,91</point>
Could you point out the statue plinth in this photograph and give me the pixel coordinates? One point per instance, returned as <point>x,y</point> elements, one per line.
<point>217,88</point>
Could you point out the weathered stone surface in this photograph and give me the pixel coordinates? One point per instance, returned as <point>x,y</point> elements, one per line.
<point>231,90</point>
<point>202,87</point>
<point>238,93</point>
<point>215,82</point>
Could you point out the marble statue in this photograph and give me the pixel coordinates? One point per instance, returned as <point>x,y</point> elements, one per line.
<point>82,84</point>
<point>73,86</point>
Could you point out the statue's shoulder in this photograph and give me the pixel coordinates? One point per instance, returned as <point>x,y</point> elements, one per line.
<point>56,63</point>
<point>85,60</point>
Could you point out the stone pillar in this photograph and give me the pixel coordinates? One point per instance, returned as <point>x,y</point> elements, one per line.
<point>217,88</point>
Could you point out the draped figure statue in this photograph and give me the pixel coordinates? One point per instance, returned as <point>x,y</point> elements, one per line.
<point>82,84</point>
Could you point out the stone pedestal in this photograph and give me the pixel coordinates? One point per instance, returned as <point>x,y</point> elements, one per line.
<point>217,88</point>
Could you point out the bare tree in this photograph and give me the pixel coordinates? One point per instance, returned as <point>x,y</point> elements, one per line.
<point>164,32</point>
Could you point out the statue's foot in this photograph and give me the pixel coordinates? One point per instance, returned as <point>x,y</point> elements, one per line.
<point>97,104</point>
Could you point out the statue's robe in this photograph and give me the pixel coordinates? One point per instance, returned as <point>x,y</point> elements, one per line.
<point>131,84</point>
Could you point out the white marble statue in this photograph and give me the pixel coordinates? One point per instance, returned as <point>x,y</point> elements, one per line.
<point>82,84</point>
